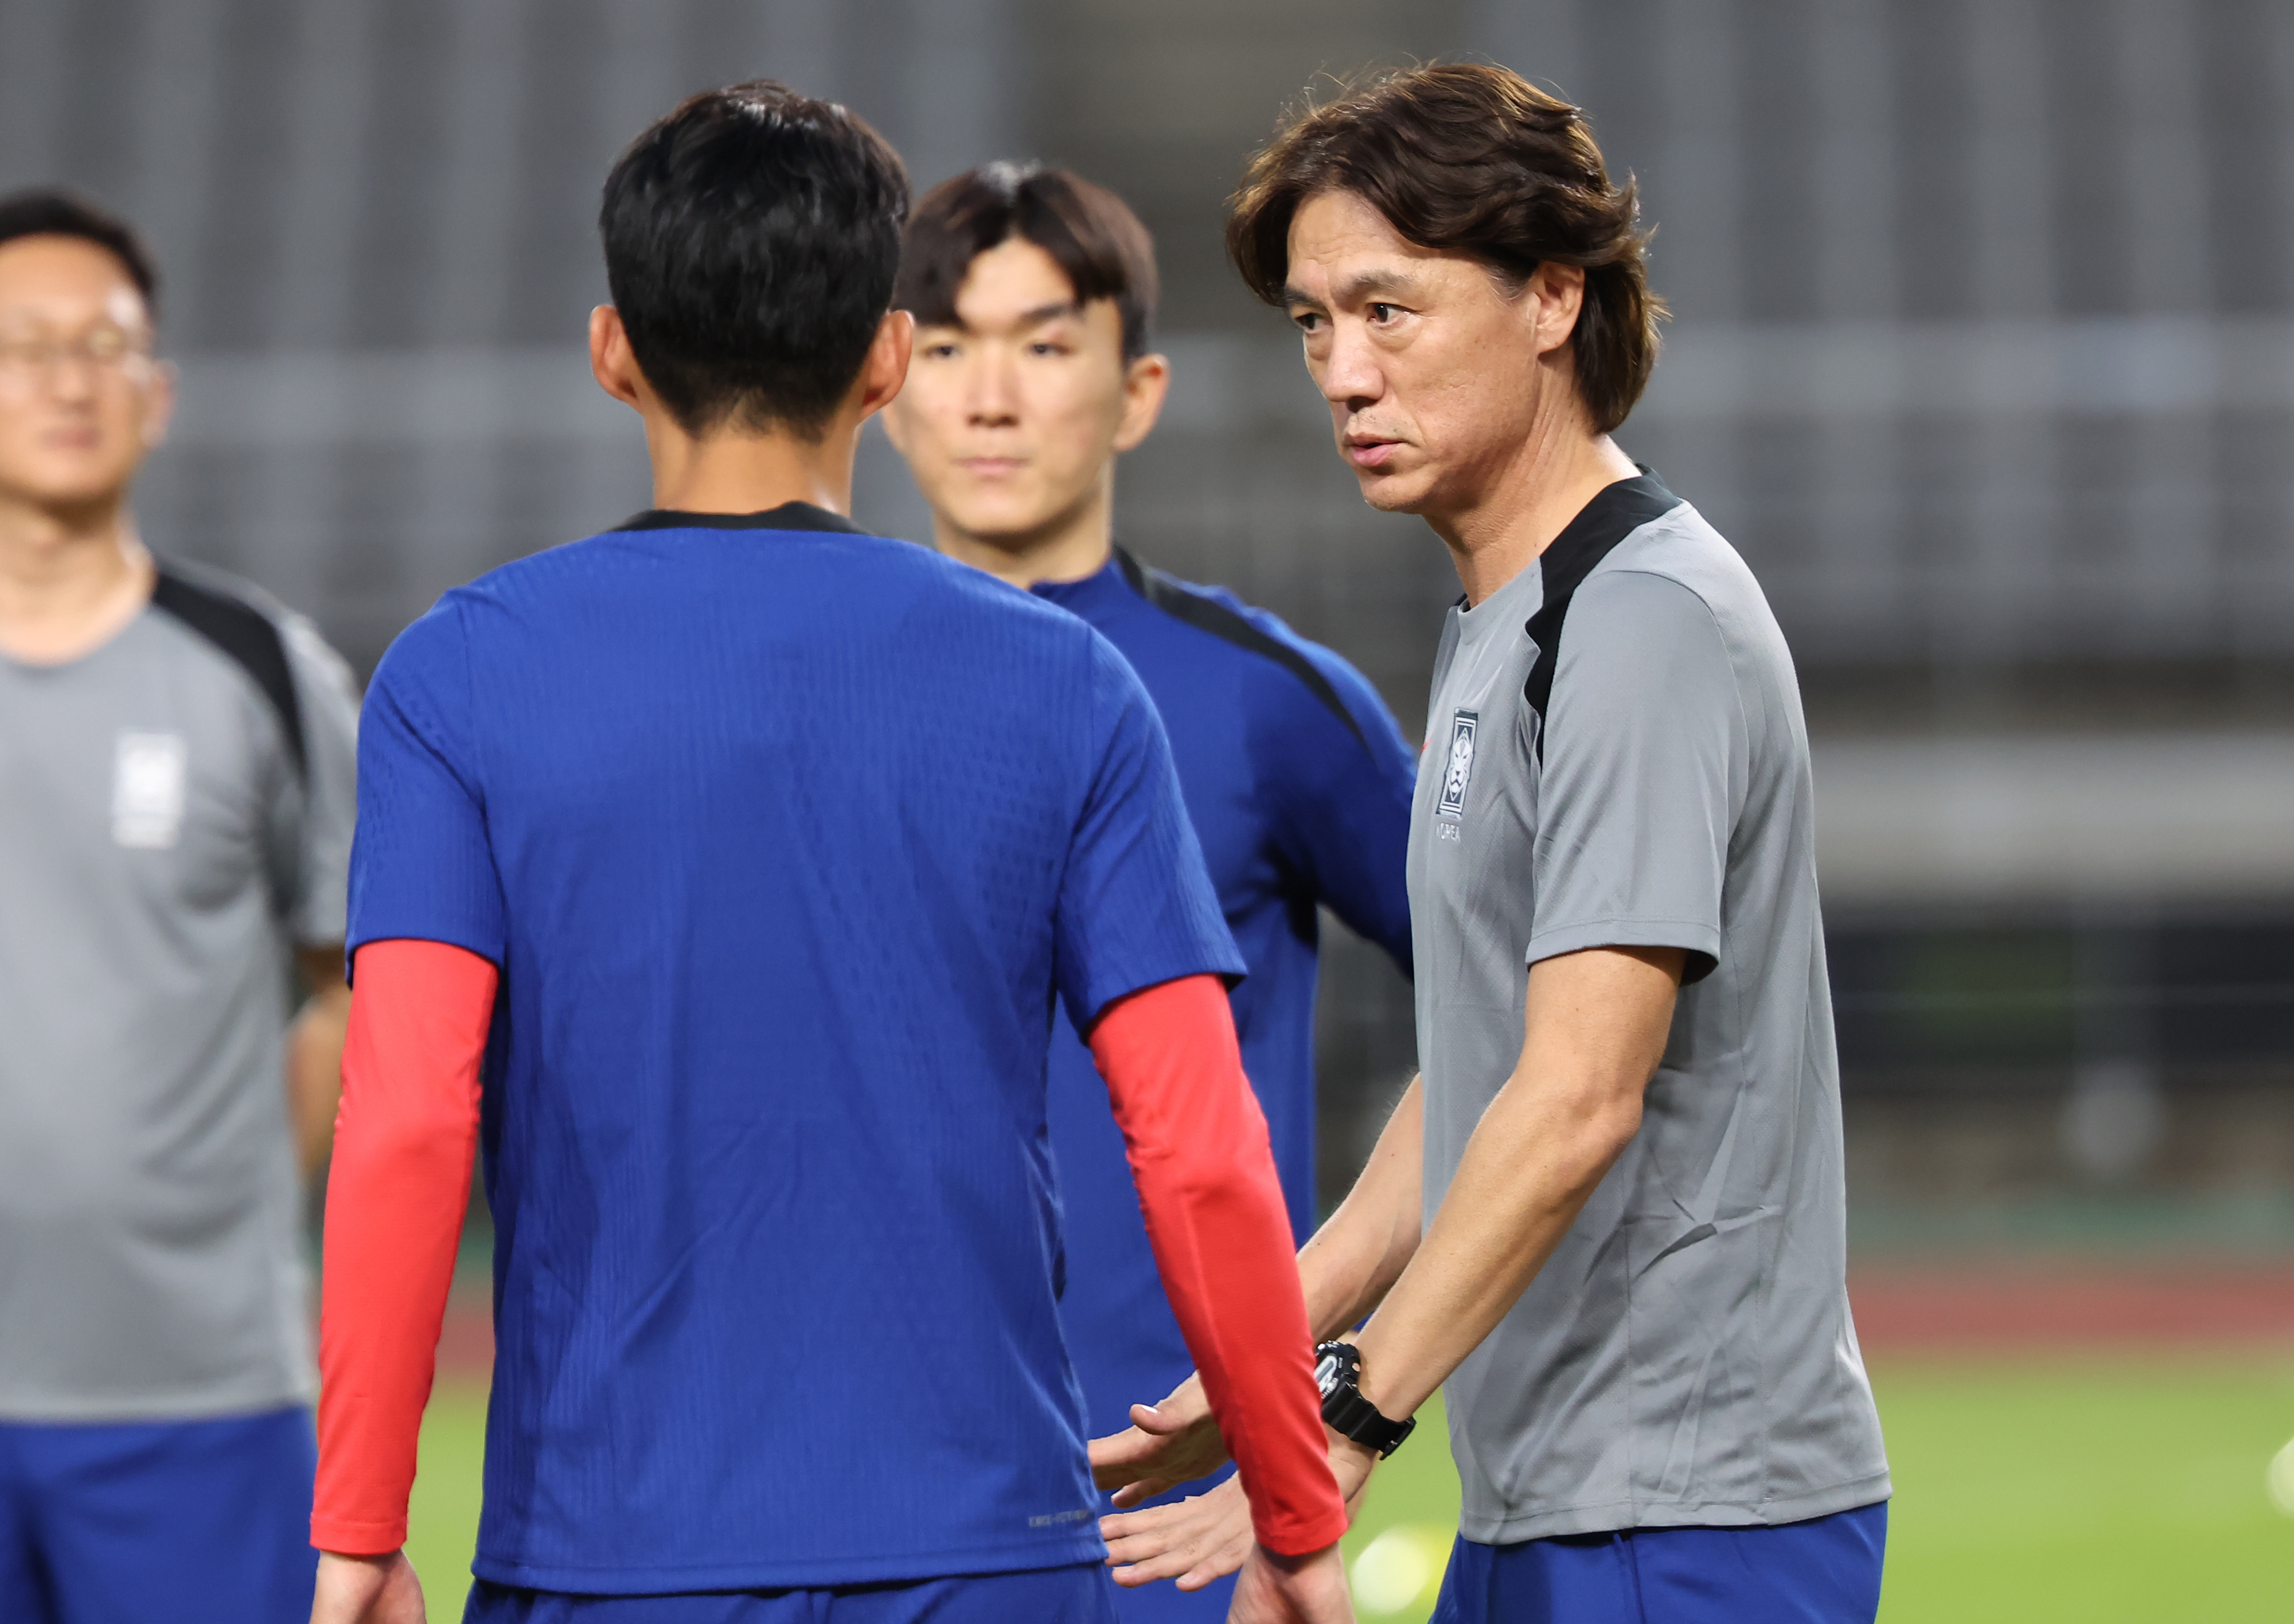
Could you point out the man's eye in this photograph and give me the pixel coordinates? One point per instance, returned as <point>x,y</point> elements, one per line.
<point>1044,347</point>
<point>1383,312</point>
<point>1307,321</point>
<point>940,352</point>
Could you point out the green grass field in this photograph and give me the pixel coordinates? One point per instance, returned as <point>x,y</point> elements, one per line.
<point>2096,1491</point>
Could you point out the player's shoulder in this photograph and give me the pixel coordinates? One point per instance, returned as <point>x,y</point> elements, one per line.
<point>1675,570</point>
<point>1281,667</point>
<point>282,653</point>
<point>943,580</point>
<point>225,608</point>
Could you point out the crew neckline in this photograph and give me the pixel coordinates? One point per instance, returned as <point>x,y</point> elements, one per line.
<point>788,516</point>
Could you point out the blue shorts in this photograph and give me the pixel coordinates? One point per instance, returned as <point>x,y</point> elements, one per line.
<point>1049,1596</point>
<point>1164,1602</point>
<point>1825,1571</point>
<point>194,1521</point>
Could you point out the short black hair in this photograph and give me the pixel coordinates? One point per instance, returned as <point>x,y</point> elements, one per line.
<point>52,211</point>
<point>751,238</point>
<point>1089,232</point>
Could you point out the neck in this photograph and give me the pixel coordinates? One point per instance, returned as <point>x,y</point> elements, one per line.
<point>734,473</point>
<point>1072,545</point>
<point>69,578</point>
<point>1531,495</point>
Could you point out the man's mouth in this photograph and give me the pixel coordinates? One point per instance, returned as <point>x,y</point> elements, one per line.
<point>991,467</point>
<point>1371,451</point>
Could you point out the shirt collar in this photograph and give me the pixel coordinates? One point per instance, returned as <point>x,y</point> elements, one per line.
<point>1107,588</point>
<point>788,516</point>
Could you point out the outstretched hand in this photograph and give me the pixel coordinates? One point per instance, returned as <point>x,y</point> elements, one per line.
<point>1208,1536</point>
<point>367,1591</point>
<point>1203,1537</point>
<point>1167,1444</point>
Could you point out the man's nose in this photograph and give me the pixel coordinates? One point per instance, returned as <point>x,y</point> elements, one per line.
<point>1350,372</point>
<point>72,373</point>
<point>993,396</point>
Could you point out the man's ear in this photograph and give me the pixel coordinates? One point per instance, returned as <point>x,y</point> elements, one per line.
<point>612,362</point>
<point>887,366</point>
<point>1146,384</point>
<point>1557,295</point>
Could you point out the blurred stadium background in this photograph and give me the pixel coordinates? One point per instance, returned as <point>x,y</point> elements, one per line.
<point>1983,357</point>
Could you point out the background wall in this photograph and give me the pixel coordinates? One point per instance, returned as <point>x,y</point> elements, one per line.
<point>1983,355</point>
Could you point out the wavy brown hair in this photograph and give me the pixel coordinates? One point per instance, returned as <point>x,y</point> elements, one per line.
<point>1470,159</point>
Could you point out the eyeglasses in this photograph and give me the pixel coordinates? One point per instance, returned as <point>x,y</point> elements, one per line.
<point>106,349</point>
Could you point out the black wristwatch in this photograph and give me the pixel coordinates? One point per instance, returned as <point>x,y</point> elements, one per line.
<point>1337,1372</point>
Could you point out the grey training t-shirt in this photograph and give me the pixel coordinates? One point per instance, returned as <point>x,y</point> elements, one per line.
<point>161,855</point>
<point>1615,756</point>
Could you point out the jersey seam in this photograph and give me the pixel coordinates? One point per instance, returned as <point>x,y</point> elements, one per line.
<point>283,703</point>
<point>1256,640</point>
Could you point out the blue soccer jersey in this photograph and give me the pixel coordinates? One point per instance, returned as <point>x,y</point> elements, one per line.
<point>785,839</point>
<point>1298,784</point>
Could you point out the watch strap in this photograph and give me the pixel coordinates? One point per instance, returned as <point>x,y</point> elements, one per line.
<point>1337,1372</point>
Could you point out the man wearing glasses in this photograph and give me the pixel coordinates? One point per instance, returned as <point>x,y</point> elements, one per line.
<point>175,803</point>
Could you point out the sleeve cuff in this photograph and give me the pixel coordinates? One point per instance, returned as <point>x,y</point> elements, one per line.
<point>1295,1537</point>
<point>349,1539</point>
<point>1230,974</point>
<point>475,942</point>
<point>1700,941</point>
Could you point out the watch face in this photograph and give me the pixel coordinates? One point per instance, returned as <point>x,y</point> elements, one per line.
<point>1326,1374</point>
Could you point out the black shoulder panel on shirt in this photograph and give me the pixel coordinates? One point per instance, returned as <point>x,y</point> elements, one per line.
<point>1614,513</point>
<point>1221,621</point>
<point>248,639</point>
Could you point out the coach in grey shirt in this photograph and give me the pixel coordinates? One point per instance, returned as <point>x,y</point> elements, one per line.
<point>1609,1218</point>
<point>175,805</point>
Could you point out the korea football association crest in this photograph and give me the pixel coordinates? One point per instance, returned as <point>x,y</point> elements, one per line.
<point>1459,772</point>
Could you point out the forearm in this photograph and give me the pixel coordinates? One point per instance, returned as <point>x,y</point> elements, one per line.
<point>1352,1261</point>
<point>1532,1161</point>
<point>1595,1026</point>
<point>1199,1152</point>
<point>401,1178</point>
<point>314,1072</point>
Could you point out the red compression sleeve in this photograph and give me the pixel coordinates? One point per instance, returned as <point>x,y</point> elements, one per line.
<point>404,1135</point>
<point>1198,1151</point>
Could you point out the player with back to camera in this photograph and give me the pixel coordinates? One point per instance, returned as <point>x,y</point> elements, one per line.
<point>718,874</point>
<point>1609,1220</point>
<point>1034,294</point>
<point>176,754</point>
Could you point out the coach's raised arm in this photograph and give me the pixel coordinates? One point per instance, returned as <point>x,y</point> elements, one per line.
<point>1624,1145</point>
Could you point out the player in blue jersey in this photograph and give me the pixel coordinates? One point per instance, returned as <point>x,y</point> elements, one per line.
<point>1034,291</point>
<point>717,875</point>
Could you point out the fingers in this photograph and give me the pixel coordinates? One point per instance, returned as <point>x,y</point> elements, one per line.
<point>1201,1538</point>
<point>1168,1448</point>
<point>1140,1492</point>
<point>1125,1457</point>
<point>1120,1448</point>
<point>1117,1454</point>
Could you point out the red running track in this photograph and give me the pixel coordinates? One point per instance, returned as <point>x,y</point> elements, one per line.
<point>1991,1306</point>
<point>2037,1304</point>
